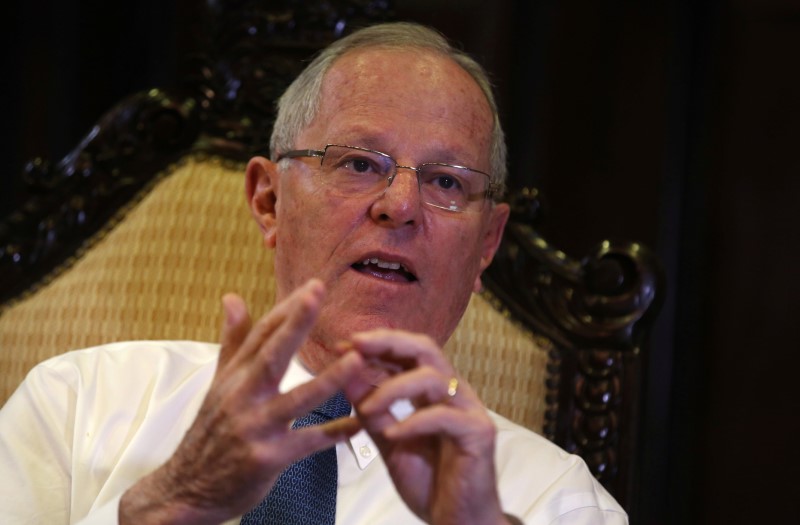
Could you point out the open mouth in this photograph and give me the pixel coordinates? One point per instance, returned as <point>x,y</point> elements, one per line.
<point>389,270</point>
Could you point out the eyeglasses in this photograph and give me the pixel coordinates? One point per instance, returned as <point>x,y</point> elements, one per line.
<point>350,170</point>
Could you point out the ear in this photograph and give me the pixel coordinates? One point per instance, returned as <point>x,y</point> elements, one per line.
<point>261,184</point>
<point>493,234</point>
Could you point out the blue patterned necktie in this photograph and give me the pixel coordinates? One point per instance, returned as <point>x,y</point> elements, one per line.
<point>305,493</point>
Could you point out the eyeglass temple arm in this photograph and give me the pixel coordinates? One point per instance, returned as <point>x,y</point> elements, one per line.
<point>301,153</point>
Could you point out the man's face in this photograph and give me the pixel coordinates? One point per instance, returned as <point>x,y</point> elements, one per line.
<point>418,107</point>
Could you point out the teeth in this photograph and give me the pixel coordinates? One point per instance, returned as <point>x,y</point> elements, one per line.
<point>382,264</point>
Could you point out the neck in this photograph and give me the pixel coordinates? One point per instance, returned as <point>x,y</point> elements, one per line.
<point>316,356</point>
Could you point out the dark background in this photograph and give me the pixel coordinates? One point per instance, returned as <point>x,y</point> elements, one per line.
<point>673,123</point>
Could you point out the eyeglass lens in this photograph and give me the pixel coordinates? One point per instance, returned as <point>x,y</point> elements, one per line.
<point>353,170</point>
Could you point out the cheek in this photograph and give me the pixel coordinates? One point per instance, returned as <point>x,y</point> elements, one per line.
<point>459,255</point>
<point>312,226</point>
<point>298,227</point>
<point>301,213</point>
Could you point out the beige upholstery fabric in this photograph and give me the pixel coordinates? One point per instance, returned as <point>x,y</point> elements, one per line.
<point>160,272</point>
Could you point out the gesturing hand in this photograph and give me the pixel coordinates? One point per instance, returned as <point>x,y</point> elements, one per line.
<point>441,458</point>
<point>241,439</point>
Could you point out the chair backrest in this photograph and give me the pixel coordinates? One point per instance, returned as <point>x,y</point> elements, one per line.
<point>143,244</point>
<point>160,269</point>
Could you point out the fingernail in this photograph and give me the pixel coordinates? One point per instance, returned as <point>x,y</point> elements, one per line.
<point>315,285</point>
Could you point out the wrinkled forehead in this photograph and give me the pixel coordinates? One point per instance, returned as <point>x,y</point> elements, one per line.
<point>404,96</point>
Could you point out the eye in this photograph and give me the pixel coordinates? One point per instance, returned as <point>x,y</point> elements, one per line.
<point>359,165</point>
<point>446,182</point>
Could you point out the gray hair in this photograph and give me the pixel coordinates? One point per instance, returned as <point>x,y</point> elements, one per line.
<point>299,104</point>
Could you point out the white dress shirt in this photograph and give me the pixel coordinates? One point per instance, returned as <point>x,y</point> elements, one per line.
<point>86,425</point>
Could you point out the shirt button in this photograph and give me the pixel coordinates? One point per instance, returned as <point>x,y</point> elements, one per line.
<point>365,451</point>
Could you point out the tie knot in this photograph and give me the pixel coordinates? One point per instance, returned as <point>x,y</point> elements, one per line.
<point>335,407</point>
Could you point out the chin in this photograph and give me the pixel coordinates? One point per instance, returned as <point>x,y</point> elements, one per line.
<point>337,327</point>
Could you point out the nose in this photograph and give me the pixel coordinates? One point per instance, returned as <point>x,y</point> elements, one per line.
<point>400,203</point>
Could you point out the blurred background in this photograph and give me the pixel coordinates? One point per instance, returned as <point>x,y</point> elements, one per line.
<point>673,123</point>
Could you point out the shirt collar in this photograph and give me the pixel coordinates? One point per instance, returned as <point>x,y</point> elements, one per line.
<point>360,445</point>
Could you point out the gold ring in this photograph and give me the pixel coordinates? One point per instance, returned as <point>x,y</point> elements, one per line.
<point>452,387</point>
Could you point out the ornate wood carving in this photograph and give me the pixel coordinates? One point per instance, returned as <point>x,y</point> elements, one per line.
<point>74,198</point>
<point>598,312</point>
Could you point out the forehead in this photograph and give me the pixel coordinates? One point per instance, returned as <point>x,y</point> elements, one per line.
<point>409,100</point>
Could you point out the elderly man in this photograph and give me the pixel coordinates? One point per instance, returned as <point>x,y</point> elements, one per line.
<point>378,201</point>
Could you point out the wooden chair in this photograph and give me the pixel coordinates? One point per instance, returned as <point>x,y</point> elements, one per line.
<point>139,231</point>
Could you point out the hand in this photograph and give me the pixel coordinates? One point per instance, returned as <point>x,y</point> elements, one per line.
<point>441,458</point>
<point>241,439</point>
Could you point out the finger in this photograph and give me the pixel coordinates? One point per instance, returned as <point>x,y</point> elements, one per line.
<point>422,385</point>
<point>443,419</point>
<point>360,386</point>
<point>263,329</point>
<point>301,442</point>
<point>276,351</point>
<point>357,389</point>
<point>300,400</point>
<point>396,347</point>
<point>375,424</point>
<point>235,327</point>
<point>377,420</point>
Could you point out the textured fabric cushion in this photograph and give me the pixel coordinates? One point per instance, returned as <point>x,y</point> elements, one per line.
<point>160,270</point>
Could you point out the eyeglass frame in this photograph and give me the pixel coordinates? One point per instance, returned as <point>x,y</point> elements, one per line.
<point>492,189</point>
